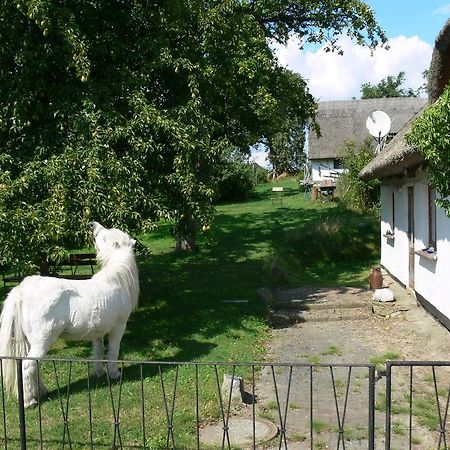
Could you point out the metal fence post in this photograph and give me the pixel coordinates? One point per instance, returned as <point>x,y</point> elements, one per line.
<point>388,404</point>
<point>371,407</point>
<point>22,428</point>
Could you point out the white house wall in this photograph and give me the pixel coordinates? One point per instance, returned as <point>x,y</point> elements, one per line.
<point>431,277</point>
<point>323,169</point>
<point>394,252</point>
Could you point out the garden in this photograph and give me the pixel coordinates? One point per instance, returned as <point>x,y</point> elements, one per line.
<point>199,307</point>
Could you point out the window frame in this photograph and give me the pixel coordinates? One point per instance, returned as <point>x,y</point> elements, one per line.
<point>432,231</point>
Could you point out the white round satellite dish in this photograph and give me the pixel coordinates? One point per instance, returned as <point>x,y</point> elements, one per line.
<point>378,123</point>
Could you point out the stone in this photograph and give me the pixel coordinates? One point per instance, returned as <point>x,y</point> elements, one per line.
<point>234,384</point>
<point>383,295</point>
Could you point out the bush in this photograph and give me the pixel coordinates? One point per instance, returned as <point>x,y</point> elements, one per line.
<point>352,191</point>
<point>238,177</point>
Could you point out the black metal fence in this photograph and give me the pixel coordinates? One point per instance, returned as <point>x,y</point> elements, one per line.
<point>168,405</point>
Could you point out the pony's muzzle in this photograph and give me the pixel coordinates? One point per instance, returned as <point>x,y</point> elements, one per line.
<point>95,227</point>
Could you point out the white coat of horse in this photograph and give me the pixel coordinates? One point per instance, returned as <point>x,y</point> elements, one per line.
<point>41,309</point>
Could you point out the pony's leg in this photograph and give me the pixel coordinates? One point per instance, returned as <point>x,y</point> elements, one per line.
<point>31,390</point>
<point>98,350</point>
<point>114,338</point>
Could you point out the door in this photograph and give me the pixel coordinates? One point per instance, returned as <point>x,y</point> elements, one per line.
<point>411,235</point>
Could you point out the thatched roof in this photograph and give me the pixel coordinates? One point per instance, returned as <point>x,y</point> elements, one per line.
<point>395,158</point>
<point>397,155</point>
<point>345,120</point>
<point>439,72</point>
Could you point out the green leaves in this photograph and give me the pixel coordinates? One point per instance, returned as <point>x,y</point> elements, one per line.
<point>430,134</point>
<point>388,87</point>
<point>122,112</point>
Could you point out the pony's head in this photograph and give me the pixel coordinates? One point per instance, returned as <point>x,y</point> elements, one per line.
<point>115,255</point>
<point>108,240</point>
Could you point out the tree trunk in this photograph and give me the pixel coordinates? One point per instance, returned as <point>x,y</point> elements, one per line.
<point>186,243</point>
<point>187,235</point>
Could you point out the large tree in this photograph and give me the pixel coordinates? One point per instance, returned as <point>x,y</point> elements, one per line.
<point>120,111</point>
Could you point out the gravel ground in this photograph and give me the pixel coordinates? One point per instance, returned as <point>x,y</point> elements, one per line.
<point>405,331</point>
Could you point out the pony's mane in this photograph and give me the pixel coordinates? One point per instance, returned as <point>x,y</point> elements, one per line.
<point>119,264</point>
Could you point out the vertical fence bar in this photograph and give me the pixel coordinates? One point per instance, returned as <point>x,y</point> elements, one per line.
<point>311,413</point>
<point>253,407</point>
<point>371,424</point>
<point>3,405</point>
<point>410,405</point>
<point>388,405</point>
<point>141,373</point>
<point>197,409</point>
<point>40,384</point>
<point>20,398</point>
<point>91,433</point>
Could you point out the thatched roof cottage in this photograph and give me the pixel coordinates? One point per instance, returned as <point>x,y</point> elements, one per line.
<point>345,120</point>
<point>415,233</point>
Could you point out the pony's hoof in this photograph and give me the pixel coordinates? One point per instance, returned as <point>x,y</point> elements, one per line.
<point>31,404</point>
<point>99,370</point>
<point>114,374</point>
<point>43,391</point>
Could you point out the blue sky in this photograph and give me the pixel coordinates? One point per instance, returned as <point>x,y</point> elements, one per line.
<point>411,27</point>
<point>423,18</point>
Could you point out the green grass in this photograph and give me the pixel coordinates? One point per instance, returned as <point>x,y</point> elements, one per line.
<point>380,360</point>
<point>183,314</point>
<point>333,350</point>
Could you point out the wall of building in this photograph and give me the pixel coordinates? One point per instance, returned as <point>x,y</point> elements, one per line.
<point>394,252</point>
<point>431,277</point>
<point>323,169</point>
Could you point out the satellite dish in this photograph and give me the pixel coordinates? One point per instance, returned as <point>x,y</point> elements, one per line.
<point>378,123</point>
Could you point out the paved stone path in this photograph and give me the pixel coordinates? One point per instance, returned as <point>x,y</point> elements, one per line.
<point>403,329</point>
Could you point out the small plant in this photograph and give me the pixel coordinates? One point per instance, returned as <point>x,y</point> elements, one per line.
<point>380,360</point>
<point>272,404</point>
<point>320,445</point>
<point>297,437</point>
<point>398,428</point>
<point>355,434</point>
<point>294,406</point>
<point>264,414</point>
<point>318,426</point>
<point>333,350</point>
<point>314,359</point>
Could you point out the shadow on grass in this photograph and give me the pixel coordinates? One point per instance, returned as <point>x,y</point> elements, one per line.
<point>182,314</point>
<point>182,295</point>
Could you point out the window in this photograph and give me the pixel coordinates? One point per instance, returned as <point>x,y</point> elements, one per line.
<point>393,212</point>
<point>337,164</point>
<point>431,217</point>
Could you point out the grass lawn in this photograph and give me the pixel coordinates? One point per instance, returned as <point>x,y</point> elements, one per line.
<point>185,314</point>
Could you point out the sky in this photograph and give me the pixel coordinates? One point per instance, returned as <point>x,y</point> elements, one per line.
<point>411,27</point>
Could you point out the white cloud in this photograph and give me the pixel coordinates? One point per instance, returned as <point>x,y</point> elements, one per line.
<point>334,77</point>
<point>444,10</point>
<point>259,156</point>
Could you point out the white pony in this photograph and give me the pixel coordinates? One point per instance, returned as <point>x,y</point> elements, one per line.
<point>41,309</point>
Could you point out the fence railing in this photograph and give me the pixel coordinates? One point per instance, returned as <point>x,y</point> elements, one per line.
<point>417,404</point>
<point>168,405</point>
<point>159,405</point>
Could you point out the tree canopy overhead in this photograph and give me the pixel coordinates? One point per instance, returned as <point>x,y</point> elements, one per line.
<point>119,111</point>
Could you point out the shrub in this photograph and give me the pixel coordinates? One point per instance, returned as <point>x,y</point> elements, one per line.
<point>354,192</point>
<point>238,177</point>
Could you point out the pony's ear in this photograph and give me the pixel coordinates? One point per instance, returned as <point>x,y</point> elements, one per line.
<point>133,242</point>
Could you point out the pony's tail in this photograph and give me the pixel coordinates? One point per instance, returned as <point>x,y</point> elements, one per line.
<point>13,342</point>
